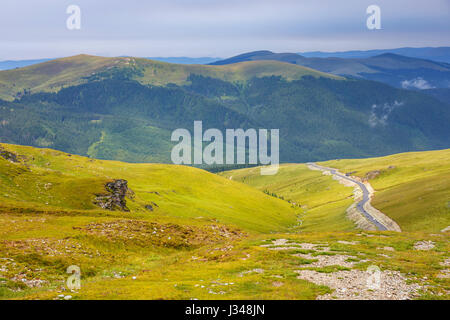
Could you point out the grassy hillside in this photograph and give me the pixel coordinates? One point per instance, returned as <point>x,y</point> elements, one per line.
<point>205,236</point>
<point>52,181</point>
<point>412,188</point>
<point>323,200</point>
<point>53,75</point>
<point>117,118</point>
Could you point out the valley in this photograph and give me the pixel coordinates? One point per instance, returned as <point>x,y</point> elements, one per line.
<point>87,181</point>
<point>236,235</point>
<point>224,159</point>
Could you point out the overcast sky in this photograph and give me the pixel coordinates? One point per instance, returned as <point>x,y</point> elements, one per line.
<point>217,28</point>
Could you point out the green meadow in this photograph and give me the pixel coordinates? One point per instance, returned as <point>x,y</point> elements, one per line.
<point>191,234</point>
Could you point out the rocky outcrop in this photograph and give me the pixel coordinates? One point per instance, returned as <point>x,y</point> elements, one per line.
<point>115,198</point>
<point>371,175</point>
<point>8,155</point>
<point>151,206</point>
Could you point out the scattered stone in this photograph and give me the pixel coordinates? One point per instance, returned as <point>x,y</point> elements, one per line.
<point>279,242</point>
<point>283,248</point>
<point>446,229</point>
<point>246,257</point>
<point>424,245</point>
<point>283,244</point>
<point>277,284</point>
<point>328,260</point>
<point>151,206</point>
<point>386,248</point>
<point>348,242</point>
<point>257,270</point>
<point>67,297</point>
<point>445,263</point>
<point>354,285</point>
<point>371,175</point>
<point>144,233</point>
<point>444,274</point>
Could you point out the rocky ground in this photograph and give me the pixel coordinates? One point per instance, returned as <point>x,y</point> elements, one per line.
<point>347,282</point>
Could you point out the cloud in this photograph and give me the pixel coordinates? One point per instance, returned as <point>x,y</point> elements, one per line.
<point>379,114</point>
<point>417,83</point>
<point>218,28</point>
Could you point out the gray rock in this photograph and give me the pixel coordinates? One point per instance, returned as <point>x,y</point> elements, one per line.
<point>115,198</point>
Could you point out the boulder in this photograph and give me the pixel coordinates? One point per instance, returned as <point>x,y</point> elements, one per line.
<point>115,198</point>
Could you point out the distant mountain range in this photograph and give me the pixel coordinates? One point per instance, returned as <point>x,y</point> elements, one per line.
<point>393,69</point>
<point>441,54</point>
<point>126,108</point>
<point>186,60</point>
<point>12,64</point>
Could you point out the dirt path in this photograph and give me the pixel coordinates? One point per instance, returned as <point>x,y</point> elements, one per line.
<point>362,212</point>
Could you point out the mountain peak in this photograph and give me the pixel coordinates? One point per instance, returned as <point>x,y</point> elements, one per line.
<point>248,56</point>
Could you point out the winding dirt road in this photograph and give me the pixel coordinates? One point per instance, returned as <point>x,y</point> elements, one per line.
<point>364,202</point>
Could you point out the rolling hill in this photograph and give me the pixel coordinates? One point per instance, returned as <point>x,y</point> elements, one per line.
<point>45,180</point>
<point>393,69</point>
<point>53,75</point>
<point>441,54</point>
<point>323,201</point>
<point>125,109</point>
<point>175,232</point>
<point>49,181</point>
<point>411,188</point>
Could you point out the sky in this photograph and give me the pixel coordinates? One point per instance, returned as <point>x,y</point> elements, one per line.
<point>33,29</point>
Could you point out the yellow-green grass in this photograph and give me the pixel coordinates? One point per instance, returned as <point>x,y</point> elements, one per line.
<point>161,73</point>
<point>46,210</point>
<point>240,269</point>
<point>161,273</point>
<point>132,263</point>
<point>53,181</point>
<point>56,74</point>
<point>53,75</point>
<point>412,188</point>
<point>324,201</point>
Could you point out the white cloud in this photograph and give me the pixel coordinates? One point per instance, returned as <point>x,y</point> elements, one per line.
<point>379,114</point>
<point>219,28</point>
<point>417,83</point>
